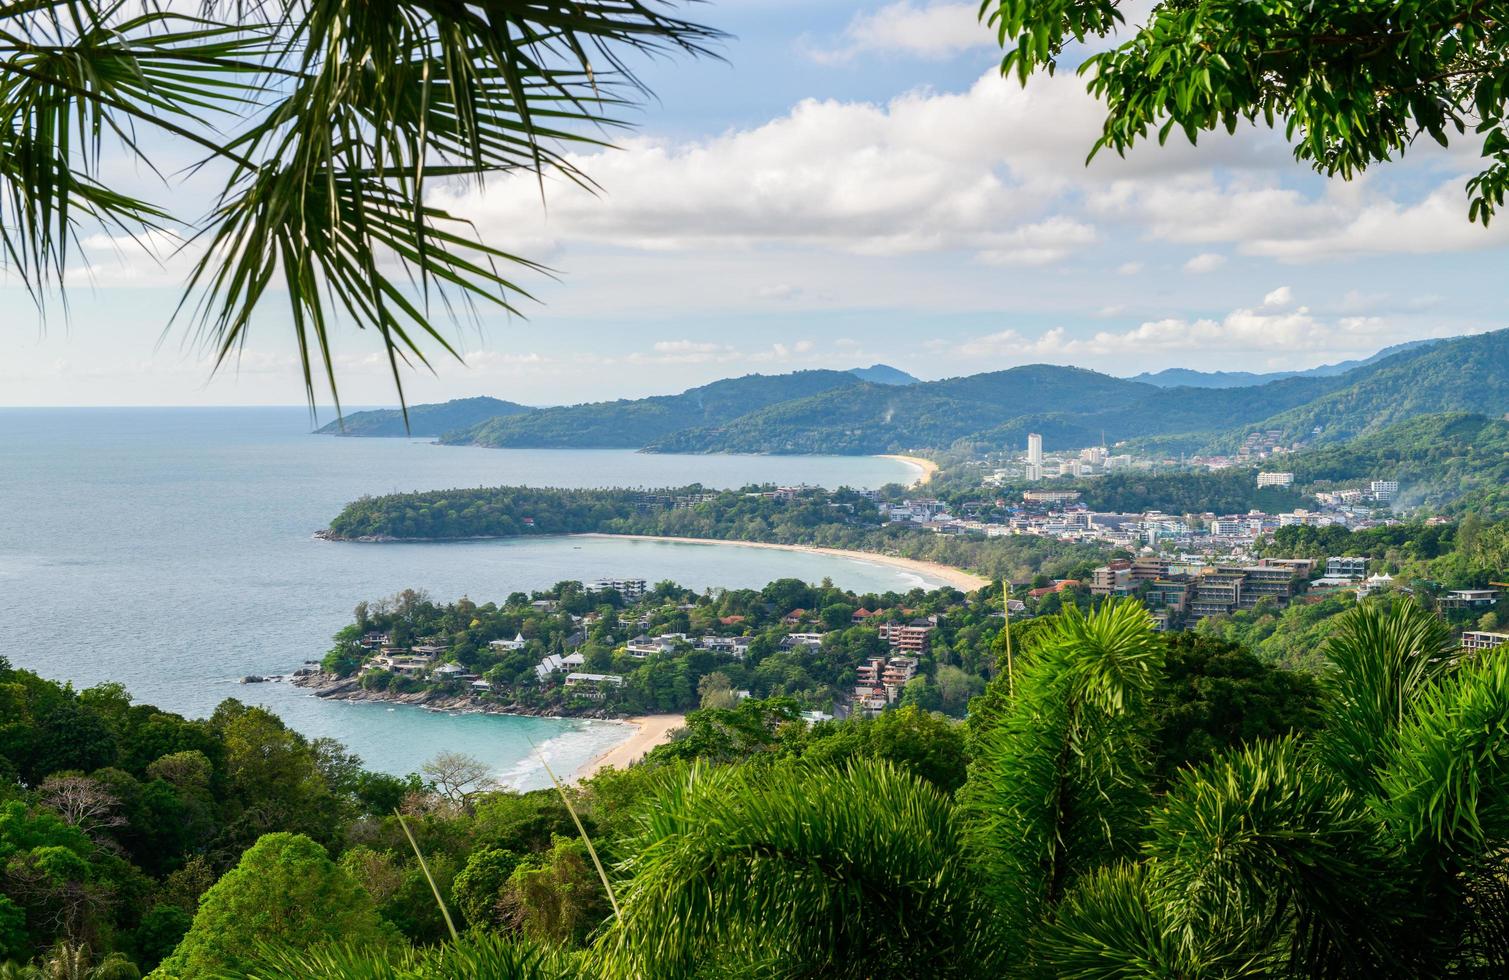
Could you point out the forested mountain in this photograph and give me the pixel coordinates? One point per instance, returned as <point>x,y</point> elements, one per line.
<point>1186,377</point>
<point>1447,461</point>
<point>880,409</point>
<point>883,374</point>
<point>424,420</point>
<point>1464,374</point>
<point>1068,406</point>
<point>634,423</point>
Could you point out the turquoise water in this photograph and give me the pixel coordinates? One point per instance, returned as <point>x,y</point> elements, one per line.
<point>172,550</point>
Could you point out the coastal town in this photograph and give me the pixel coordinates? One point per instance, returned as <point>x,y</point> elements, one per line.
<point>615,647</point>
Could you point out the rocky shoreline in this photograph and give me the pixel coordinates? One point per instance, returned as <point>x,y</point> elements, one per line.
<point>334,688</point>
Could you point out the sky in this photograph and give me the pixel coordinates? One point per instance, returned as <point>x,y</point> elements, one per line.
<point>851,183</point>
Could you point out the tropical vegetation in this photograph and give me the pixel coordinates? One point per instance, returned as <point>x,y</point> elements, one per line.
<point>806,516</point>
<point>324,124</point>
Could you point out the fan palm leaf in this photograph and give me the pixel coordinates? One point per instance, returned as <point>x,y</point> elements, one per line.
<point>329,121</point>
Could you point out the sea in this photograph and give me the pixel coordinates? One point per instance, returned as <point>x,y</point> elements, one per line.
<point>173,550</point>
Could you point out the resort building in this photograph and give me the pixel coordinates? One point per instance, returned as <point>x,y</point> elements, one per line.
<point>1476,640</point>
<point>1341,566</point>
<point>909,637</point>
<point>1469,598</point>
<point>593,687</point>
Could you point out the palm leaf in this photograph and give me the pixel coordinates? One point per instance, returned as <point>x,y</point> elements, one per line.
<point>802,872</point>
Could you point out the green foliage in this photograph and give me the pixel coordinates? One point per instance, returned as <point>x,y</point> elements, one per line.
<point>1058,787</point>
<point>924,744</point>
<point>1214,696</point>
<point>285,889</point>
<point>479,886</point>
<point>732,734</point>
<point>799,873</point>
<point>1383,660</point>
<point>555,897</point>
<point>1351,86</point>
<point>13,937</point>
<point>340,113</point>
<point>476,956</point>
<point>840,520</point>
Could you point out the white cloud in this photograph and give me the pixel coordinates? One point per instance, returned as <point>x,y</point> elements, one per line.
<point>1280,297</point>
<point>931,30</point>
<point>997,170</point>
<point>1261,218</point>
<point>685,352</point>
<point>1205,262</point>
<point>1243,330</point>
<point>1040,244</point>
<point>986,170</point>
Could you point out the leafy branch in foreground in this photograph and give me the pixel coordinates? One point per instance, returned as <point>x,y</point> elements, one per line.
<point>1352,84</point>
<point>330,120</point>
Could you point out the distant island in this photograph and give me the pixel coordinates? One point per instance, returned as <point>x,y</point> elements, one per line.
<point>880,410</point>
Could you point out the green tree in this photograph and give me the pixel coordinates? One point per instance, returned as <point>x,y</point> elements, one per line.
<point>557,896</point>
<point>284,889</point>
<point>1352,86</point>
<point>479,886</point>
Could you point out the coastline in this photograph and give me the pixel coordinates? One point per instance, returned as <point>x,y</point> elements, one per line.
<point>649,731</point>
<point>956,577</point>
<point>928,467</point>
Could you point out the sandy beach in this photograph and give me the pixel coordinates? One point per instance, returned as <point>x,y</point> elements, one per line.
<point>649,731</point>
<point>928,467</point>
<point>956,577</point>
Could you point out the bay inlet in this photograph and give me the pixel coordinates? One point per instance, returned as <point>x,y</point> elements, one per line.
<point>172,550</point>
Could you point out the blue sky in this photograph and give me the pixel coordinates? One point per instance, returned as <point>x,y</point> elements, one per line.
<point>855,184</point>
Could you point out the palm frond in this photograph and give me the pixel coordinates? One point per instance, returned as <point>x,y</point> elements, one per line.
<point>1262,857</point>
<point>1382,659</point>
<point>809,871</point>
<point>1058,787</point>
<point>349,111</point>
<point>476,956</point>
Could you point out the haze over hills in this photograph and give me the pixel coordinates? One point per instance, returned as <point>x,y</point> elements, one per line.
<point>1188,377</point>
<point>883,374</point>
<point>634,423</point>
<point>424,420</point>
<point>822,411</point>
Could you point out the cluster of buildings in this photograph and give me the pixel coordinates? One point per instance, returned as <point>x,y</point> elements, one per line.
<point>1377,492</point>
<point>1073,464</point>
<point>878,682</point>
<point>1256,447</point>
<point>1184,591</point>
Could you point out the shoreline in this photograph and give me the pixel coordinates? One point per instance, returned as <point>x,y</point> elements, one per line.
<point>649,731</point>
<point>928,467</point>
<point>956,577</point>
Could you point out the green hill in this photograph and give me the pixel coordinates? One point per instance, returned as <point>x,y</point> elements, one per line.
<point>635,423</point>
<point>883,374</point>
<point>1464,374</point>
<point>1450,461</point>
<point>1067,406</point>
<point>1185,377</point>
<point>424,420</point>
<point>842,412</point>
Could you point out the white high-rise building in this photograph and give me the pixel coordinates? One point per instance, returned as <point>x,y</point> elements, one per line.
<point>1034,449</point>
